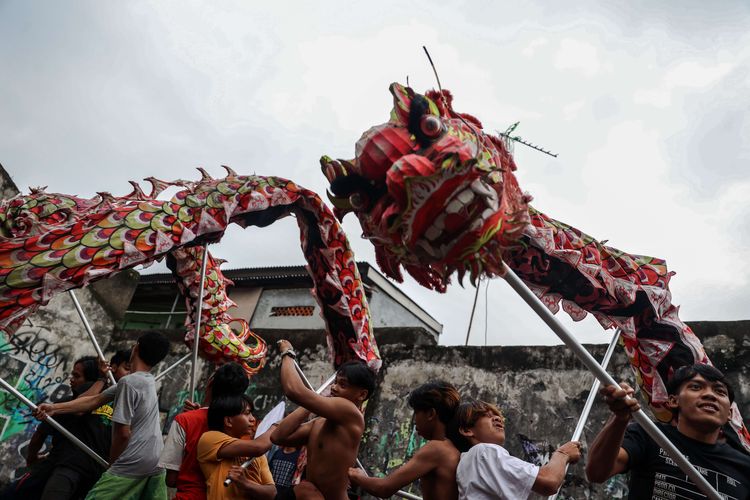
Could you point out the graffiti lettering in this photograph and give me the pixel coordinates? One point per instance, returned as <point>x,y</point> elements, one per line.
<point>30,343</point>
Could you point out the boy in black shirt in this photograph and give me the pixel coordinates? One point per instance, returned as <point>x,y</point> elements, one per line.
<point>700,398</point>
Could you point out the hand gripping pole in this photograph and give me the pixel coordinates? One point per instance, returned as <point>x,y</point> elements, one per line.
<point>399,493</point>
<point>54,424</point>
<point>583,355</point>
<point>592,397</point>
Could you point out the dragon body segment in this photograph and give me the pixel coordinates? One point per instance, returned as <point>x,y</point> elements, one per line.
<point>50,243</point>
<point>436,195</point>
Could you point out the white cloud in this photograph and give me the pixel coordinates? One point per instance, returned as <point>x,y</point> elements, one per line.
<point>269,87</point>
<point>578,55</point>
<point>571,110</point>
<point>532,47</point>
<point>684,75</point>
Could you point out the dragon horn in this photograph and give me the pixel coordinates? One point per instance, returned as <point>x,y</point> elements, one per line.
<point>137,191</point>
<point>205,176</point>
<point>105,196</point>
<point>157,186</point>
<point>37,189</point>
<point>230,173</point>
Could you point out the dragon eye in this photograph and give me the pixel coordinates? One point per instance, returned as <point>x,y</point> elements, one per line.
<point>357,201</point>
<point>431,126</point>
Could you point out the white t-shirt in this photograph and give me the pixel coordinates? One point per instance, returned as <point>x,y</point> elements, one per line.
<point>488,471</point>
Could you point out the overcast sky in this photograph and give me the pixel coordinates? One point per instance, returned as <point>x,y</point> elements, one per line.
<point>646,105</point>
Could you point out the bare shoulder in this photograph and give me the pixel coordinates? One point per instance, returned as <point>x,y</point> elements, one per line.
<point>438,450</point>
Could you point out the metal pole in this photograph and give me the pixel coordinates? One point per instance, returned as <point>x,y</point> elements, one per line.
<point>59,428</point>
<point>171,311</point>
<point>592,397</point>
<point>172,366</point>
<point>196,333</point>
<point>399,493</point>
<point>320,389</point>
<point>471,318</point>
<point>583,355</point>
<point>91,334</point>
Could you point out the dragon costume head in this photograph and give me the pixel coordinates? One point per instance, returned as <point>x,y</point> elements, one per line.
<point>432,191</point>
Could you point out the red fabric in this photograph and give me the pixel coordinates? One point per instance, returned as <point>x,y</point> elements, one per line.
<point>191,485</point>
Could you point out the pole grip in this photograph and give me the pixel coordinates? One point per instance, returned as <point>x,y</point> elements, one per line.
<point>584,357</point>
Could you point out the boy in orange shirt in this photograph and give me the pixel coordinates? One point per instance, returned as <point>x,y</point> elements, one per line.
<point>222,447</point>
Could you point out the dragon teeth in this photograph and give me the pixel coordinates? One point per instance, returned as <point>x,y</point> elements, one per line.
<point>466,196</point>
<point>454,207</point>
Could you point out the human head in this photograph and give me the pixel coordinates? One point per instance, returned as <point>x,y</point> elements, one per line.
<point>701,395</point>
<point>354,381</point>
<point>120,363</point>
<point>232,415</point>
<point>230,379</point>
<point>434,403</point>
<point>85,369</point>
<point>151,347</point>
<point>478,422</point>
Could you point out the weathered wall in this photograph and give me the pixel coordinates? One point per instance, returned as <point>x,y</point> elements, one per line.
<point>38,360</point>
<point>541,390</point>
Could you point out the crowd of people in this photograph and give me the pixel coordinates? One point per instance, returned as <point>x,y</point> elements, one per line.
<point>214,452</point>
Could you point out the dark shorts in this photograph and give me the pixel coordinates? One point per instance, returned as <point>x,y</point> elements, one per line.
<point>283,493</point>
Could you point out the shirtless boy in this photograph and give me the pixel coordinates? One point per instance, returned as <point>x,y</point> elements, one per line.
<point>333,438</point>
<point>434,464</point>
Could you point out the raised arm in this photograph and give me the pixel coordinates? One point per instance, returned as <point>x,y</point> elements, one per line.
<point>552,474</point>
<point>422,463</point>
<point>96,388</point>
<point>338,410</point>
<point>247,447</point>
<point>293,430</point>
<point>606,456</point>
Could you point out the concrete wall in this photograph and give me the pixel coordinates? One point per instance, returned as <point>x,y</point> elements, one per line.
<point>540,389</point>
<point>37,361</point>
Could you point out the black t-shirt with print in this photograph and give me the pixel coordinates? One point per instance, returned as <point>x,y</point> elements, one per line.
<point>654,475</point>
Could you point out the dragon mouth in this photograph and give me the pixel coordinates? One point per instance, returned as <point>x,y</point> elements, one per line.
<point>436,230</point>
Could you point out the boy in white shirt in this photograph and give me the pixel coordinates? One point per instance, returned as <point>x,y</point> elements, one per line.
<point>487,471</point>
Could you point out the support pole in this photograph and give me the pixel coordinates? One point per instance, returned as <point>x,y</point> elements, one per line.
<point>171,311</point>
<point>320,389</point>
<point>591,398</point>
<point>172,366</point>
<point>471,317</point>
<point>91,334</point>
<point>399,493</point>
<point>54,424</point>
<point>196,333</point>
<point>583,355</point>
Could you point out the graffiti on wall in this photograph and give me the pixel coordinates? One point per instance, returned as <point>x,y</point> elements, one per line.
<point>32,363</point>
<point>395,447</point>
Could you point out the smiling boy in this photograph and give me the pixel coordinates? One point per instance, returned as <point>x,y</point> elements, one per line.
<point>700,398</point>
<point>486,469</point>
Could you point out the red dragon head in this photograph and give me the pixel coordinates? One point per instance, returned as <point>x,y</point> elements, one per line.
<point>432,191</point>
